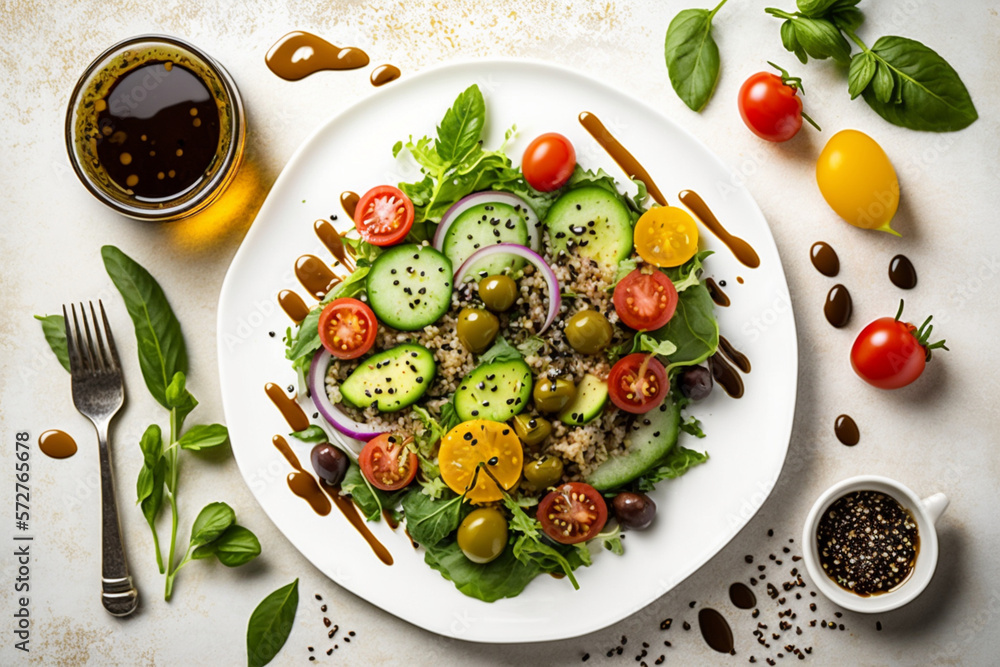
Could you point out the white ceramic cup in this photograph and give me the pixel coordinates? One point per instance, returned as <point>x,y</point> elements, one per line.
<point>925,512</point>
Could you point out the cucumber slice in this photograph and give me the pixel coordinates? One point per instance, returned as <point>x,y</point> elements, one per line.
<point>594,221</point>
<point>591,395</point>
<point>653,435</point>
<point>496,391</point>
<point>390,380</point>
<point>484,225</point>
<point>409,286</point>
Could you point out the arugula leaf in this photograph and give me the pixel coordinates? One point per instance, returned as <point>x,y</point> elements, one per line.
<point>916,88</point>
<point>530,549</point>
<point>675,464</point>
<point>692,329</point>
<point>204,436</point>
<point>693,56</point>
<point>430,521</point>
<point>313,435</point>
<point>504,577</point>
<point>54,330</point>
<point>162,352</point>
<point>270,624</point>
<point>500,351</point>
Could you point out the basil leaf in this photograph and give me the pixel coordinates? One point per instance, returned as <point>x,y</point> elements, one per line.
<point>204,436</point>
<point>692,329</point>
<point>462,125</point>
<point>430,521</point>
<point>152,503</point>
<point>847,18</point>
<point>503,577</point>
<point>817,38</point>
<point>54,330</point>
<point>236,546</point>
<point>816,8</point>
<point>863,67</point>
<point>179,399</point>
<point>158,333</point>
<point>270,624</point>
<point>675,464</point>
<point>930,94</point>
<point>151,445</point>
<point>692,56</point>
<point>313,435</point>
<point>144,484</point>
<point>883,83</point>
<point>211,522</point>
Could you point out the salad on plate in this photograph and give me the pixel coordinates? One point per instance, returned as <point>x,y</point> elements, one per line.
<point>510,358</point>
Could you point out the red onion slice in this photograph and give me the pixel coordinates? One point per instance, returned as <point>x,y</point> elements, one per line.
<point>490,197</point>
<point>330,412</point>
<point>555,300</point>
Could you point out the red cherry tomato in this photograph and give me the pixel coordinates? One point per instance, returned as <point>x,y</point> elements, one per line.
<point>387,463</point>
<point>890,354</point>
<point>645,301</point>
<point>574,512</point>
<point>770,105</point>
<point>638,383</point>
<point>347,328</point>
<point>384,215</point>
<point>548,162</point>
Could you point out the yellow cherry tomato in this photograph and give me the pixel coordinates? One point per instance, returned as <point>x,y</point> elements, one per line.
<point>858,181</point>
<point>666,236</point>
<point>476,442</point>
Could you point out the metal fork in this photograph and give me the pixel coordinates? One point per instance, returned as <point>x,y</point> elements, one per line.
<point>98,393</point>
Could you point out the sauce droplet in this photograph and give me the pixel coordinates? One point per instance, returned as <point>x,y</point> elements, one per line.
<point>716,631</point>
<point>838,306</point>
<point>299,54</point>
<point>725,375</point>
<point>742,250</point>
<point>846,430</point>
<point>383,74</point>
<point>901,272</point>
<point>349,202</point>
<point>300,482</point>
<point>739,279</point>
<point>288,407</point>
<point>57,444</point>
<point>620,155</point>
<point>741,596</point>
<point>293,305</point>
<point>718,296</point>
<point>824,258</point>
<point>334,242</point>
<point>315,275</point>
<point>741,360</point>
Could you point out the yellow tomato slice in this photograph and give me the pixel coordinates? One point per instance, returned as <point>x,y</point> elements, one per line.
<point>666,236</point>
<point>480,441</point>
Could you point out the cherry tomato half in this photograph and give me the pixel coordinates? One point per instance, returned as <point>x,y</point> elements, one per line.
<point>574,512</point>
<point>347,328</point>
<point>548,162</point>
<point>770,107</point>
<point>387,463</point>
<point>638,383</point>
<point>890,354</point>
<point>645,301</point>
<point>384,215</point>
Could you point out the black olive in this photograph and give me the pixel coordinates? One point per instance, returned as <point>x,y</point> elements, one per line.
<point>329,463</point>
<point>634,511</point>
<point>696,382</point>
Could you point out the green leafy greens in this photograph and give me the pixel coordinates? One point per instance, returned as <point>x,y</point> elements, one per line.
<point>675,464</point>
<point>270,624</point>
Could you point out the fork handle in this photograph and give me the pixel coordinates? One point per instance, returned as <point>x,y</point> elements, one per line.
<point>118,594</point>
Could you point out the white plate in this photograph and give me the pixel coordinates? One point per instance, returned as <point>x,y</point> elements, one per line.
<point>697,514</point>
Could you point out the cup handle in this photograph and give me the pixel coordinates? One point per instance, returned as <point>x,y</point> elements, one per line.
<point>935,505</point>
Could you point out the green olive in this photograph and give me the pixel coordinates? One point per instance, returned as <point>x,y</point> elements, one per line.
<point>498,292</point>
<point>588,332</point>
<point>532,430</point>
<point>553,395</point>
<point>477,328</point>
<point>482,535</point>
<point>544,472</point>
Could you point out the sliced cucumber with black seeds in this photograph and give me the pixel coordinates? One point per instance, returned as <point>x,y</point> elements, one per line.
<point>390,380</point>
<point>495,391</point>
<point>592,221</point>
<point>409,286</point>
<point>591,395</point>
<point>652,435</point>
<point>482,226</point>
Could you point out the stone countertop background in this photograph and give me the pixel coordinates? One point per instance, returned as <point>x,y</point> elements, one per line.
<point>940,434</point>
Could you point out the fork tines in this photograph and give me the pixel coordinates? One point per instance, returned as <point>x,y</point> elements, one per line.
<point>84,356</point>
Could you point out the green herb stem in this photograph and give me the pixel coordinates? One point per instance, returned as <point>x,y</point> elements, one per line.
<point>854,38</point>
<point>712,14</point>
<point>172,453</point>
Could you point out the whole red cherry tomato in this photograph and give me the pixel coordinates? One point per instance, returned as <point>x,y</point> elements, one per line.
<point>890,354</point>
<point>770,105</point>
<point>548,162</point>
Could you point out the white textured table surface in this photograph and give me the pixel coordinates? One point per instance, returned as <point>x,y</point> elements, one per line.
<point>938,435</point>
